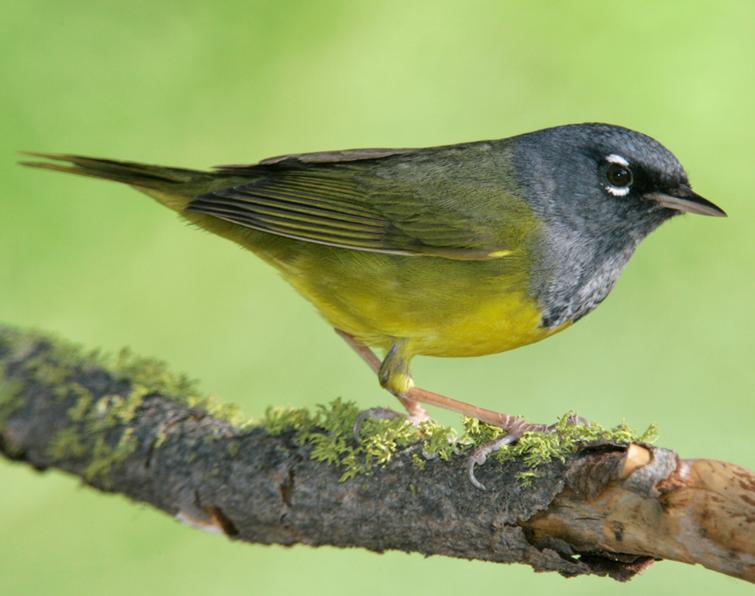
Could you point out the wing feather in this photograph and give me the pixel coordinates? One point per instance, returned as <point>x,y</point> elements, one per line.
<point>353,204</point>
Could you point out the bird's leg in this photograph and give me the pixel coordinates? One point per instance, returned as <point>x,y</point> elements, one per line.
<point>393,383</point>
<point>393,373</point>
<point>394,376</point>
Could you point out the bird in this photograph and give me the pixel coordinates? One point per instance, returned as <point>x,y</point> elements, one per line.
<point>450,251</point>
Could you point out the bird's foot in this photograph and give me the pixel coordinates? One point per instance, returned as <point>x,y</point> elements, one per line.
<point>516,428</point>
<point>414,416</point>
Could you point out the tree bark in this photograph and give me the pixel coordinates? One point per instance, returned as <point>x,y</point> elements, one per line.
<point>608,510</point>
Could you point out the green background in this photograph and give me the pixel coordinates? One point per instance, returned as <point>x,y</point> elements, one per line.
<point>196,84</point>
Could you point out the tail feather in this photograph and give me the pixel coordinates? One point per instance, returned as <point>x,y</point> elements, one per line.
<point>132,173</point>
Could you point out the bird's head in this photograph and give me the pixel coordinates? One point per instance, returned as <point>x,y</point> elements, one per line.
<point>601,179</point>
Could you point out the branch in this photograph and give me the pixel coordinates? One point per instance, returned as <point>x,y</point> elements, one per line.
<point>609,509</point>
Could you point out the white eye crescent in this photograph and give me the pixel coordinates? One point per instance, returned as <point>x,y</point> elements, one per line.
<point>618,175</point>
<point>617,192</point>
<point>613,158</point>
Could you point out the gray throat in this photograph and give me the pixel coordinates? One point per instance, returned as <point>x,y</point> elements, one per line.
<point>575,273</point>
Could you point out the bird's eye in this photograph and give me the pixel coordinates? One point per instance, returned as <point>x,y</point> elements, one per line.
<point>618,175</point>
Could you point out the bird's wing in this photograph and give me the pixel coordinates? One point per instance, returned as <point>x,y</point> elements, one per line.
<point>321,157</point>
<point>362,201</point>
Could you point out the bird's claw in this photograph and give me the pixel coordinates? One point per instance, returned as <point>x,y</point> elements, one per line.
<point>572,420</point>
<point>513,433</point>
<point>480,455</point>
<point>385,414</point>
<point>372,414</point>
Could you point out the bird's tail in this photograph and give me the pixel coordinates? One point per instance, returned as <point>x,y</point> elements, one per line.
<point>171,186</point>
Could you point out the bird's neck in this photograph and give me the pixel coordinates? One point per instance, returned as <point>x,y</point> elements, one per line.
<point>577,272</point>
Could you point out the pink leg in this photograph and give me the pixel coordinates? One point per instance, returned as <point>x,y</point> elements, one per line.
<point>416,412</point>
<point>515,426</point>
<point>417,394</point>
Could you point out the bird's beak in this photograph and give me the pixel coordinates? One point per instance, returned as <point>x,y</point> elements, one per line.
<point>683,198</point>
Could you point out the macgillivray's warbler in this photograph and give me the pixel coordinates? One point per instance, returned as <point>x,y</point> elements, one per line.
<point>459,250</point>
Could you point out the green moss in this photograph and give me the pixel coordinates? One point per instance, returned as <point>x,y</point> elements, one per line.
<point>233,448</point>
<point>536,449</point>
<point>103,420</point>
<point>280,419</point>
<point>99,426</point>
<point>98,431</point>
<point>24,350</point>
<point>83,399</point>
<point>10,398</point>
<point>67,444</point>
<point>105,456</point>
<point>150,375</point>
<point>153,373</point>
<point>329,433</point>
<point>56,361</point>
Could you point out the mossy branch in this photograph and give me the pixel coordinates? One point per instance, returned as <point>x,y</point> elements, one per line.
<point>581,501</point>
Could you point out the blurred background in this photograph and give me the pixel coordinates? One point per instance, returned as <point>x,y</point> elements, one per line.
<point>196,84</point>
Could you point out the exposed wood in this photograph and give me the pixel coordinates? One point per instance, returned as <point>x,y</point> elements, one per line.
<point>694,511</point>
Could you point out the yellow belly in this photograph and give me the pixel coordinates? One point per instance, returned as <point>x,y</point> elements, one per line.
<point>441,307</point>
<point>488,327</point>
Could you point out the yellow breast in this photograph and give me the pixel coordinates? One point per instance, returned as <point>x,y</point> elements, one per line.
<point>494,325</point>
<point>442,307</point>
